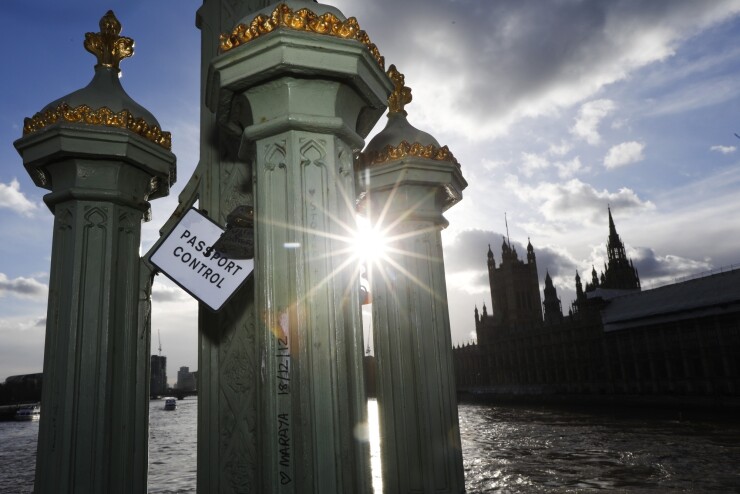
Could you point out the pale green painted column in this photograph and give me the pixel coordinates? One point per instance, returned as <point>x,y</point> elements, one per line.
<point>304,101</point>
<point>103,157</point>
<point>228,356</point>
<point>410,180</point>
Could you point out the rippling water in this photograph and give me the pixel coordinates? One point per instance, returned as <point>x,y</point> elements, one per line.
<point>17,456</point>
<point>172,446</point>
<point>506,449</point>
<point>510,449</point>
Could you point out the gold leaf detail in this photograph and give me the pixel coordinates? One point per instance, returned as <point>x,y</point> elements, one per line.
<point>403,150</point>
<point>401,95</point>
<point>101,117</point>
<point>107,45</point>
<point>299,20</point>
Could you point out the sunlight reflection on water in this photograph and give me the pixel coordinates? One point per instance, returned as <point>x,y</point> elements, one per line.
<point>172,447</point>
<point>505,449</point>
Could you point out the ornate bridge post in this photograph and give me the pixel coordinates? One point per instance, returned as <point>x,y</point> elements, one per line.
<point>103,157</point>
<point>409,182</point>
<point>304,86</point>
<point>228,356</point>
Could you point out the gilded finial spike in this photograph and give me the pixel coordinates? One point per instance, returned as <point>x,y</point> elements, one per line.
<point>107,45</point>
<point>401,95</point>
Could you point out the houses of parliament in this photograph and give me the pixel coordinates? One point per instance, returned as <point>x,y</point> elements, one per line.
<point>616,339</point>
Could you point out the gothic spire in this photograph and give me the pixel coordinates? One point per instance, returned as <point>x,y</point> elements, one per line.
<point>530,251</point>
<point>505,249</point>
<point>552,305</point>
<point>507,229</point>
<point>619,273</point>
<point>614,245</point>
<point>612,228</point>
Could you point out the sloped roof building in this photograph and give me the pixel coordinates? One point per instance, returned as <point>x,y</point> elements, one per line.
<point>680,339</point>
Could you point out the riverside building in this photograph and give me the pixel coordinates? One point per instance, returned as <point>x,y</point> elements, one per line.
<point>680,340</point>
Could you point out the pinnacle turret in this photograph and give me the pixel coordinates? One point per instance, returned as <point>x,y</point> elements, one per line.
<point>530,251</point>
<point>551,304</point>
<point>619,272</point>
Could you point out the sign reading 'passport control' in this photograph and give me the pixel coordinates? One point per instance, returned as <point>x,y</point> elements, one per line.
<point>186,256</point>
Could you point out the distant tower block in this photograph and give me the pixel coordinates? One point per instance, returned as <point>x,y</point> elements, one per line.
<point>410,181</point>
<point>158,379</point>
<point>103,156</point>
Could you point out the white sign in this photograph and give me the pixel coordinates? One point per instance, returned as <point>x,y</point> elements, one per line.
<point>186,256</point>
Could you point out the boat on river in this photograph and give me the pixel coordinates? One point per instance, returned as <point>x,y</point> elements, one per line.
<point>170,403</point>
<point>28,413</point>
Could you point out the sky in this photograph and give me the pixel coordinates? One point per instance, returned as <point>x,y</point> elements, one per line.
<point>554,109</point>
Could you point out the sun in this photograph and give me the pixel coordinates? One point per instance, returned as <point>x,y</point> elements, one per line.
<point>370,243</point>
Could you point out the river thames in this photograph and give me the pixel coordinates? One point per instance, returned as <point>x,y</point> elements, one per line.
<point>505,449</point>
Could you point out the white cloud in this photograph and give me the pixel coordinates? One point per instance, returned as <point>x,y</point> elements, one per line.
<point>560,149</point>
<point>589,117</point>
<point>473,283</point>
<point>491,165</point>
<point>567,169</point>
<point>686,97</point>
<point>624,154</point>
<point>167,293</point>
<point>620,123</point>
<point>20,324</point>
<point>723,149</point>
<point>656,270</point>
<point>532,162</point>
<point>22,287</point>
<point>12,198</point>
<point>701,222</point>
<point>576,201</point>
<point>511,60</point>
<point>22,350</point>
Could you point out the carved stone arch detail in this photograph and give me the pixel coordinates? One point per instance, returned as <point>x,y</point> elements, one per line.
<point>96,217</point>
<point>127,222</point>
<point>64,219</point>
<point>313,151</point>
<point>275,154</point>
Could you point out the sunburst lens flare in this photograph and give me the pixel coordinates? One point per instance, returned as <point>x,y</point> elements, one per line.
<point>370,243</point>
